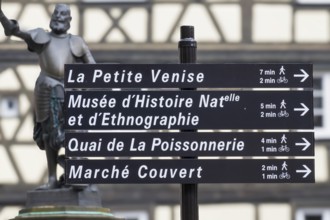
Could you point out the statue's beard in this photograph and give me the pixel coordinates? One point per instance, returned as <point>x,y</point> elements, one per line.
<point>59,27</point>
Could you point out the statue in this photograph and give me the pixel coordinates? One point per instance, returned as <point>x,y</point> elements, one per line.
<point>54,49</point>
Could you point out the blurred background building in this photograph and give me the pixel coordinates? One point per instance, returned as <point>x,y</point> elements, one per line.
<point>147,31</point>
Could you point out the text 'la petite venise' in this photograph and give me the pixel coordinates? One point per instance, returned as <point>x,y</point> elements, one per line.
<point>124,76</point>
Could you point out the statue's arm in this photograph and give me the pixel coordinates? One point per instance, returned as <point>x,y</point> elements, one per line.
<point>11,28</point>
<point>88,57</point>
<point>80,50</point>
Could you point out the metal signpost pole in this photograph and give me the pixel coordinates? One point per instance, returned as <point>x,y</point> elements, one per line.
<point>189,192</point>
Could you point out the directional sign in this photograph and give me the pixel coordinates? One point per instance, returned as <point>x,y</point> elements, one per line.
<point>188,76</point>
<point>189,171</point>
<point>189,144</point>
<point>189,110</point>
<point>269,105</point>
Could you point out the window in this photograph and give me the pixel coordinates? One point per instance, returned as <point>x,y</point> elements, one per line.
<point>313,2</point>
<point>313,217</point>
<point>313,214</point>
<point>131,215</point>
<point>321,106</point>
<point>9,106</point>
<point>114,1</point>
<point>318,102</point>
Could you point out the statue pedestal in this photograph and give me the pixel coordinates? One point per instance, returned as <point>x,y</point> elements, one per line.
<point>63,197</point>
<point>64,212</point>
<point>64,203</point>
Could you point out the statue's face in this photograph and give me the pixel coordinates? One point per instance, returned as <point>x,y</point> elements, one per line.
<point>60,21</point>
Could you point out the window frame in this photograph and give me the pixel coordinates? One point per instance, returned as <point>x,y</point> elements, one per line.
<point>302,213</point>
<point>324,131</point>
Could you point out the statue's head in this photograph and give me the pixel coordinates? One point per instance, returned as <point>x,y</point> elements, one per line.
<point>61,18</point>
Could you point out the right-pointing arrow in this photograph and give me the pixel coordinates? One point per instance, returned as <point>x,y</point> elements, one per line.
<point>307,171</point>
<point>304,75</point>
<point>304,109</point>
<point>305,144</point>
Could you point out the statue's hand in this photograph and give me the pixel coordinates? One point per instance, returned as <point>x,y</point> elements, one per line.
<point>3,17</point>
<point>10,26</point>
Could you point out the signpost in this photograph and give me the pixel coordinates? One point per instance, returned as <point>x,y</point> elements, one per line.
<point>189,144</point>
<point>189,75</point>
<point>189,192</point>
<point>190,171</point>
<point>187,111</point>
